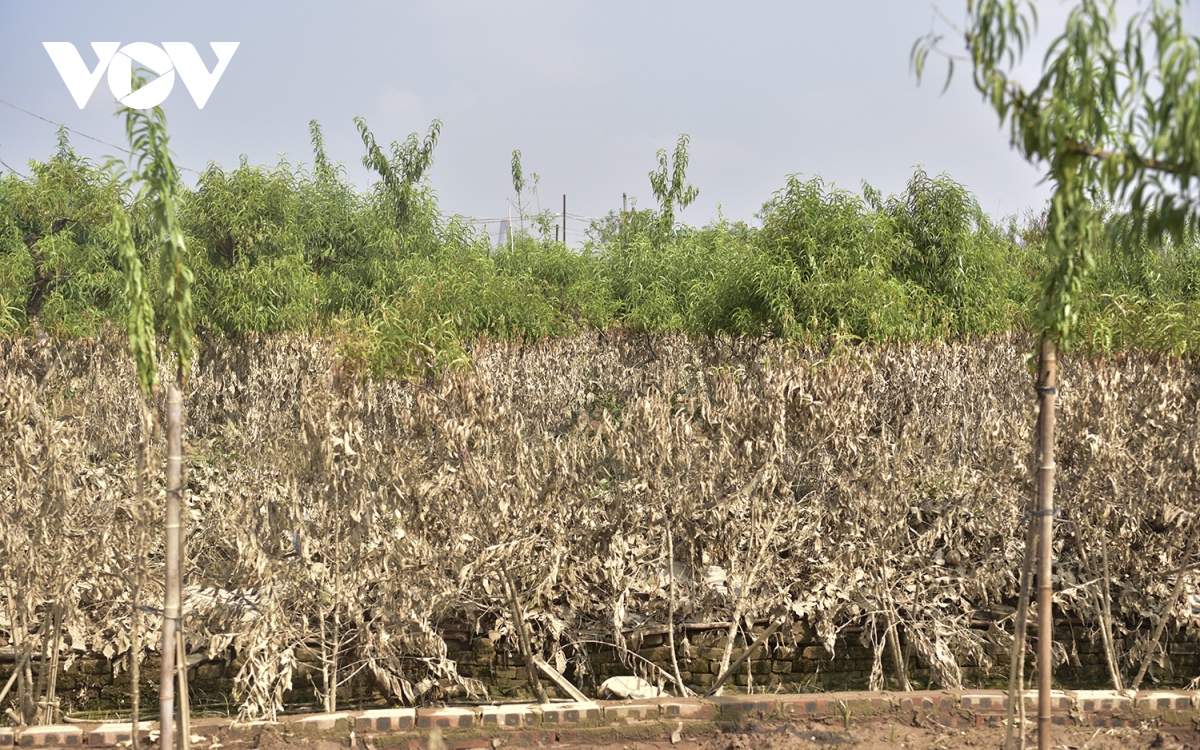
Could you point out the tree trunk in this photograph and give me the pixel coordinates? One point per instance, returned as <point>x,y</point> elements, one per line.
<point>135,659</point>
<point>1045,514</point>
<point>683,691</point>
<point>166,698</point>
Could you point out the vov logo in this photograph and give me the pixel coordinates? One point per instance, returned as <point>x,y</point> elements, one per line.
<point>119,61</point>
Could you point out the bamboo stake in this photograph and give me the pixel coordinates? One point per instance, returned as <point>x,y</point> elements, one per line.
<point>1016,655</point>
<point>16,673</point>
<point>166,697</point>
<point>183,738</point>
<point>184,707</point>
<point>1110,653</point>
<point>50,716</point>
<point>23,669</point>
<point>893,627</point>
<point>18,644</point>
<point>1111,643</point>
<point>526,648</point>
<point>135,661</point>
<point>328,698</point>
<point>335,591</point>
<point>43,668</point>
<point>135,636</point>
<point>557,678</point>
<point>1045,513</point>
<point>28,706</point>
<point>728,671</point>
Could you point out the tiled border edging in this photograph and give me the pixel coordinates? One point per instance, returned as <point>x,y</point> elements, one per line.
<point>952,709</point>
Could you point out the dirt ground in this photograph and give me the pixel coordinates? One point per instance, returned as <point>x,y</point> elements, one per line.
<point>761,736</point>
<point>893,737</point>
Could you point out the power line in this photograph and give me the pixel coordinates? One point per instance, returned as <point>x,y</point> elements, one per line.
<point>9,168</point>
<point>501,219</point>
<point>77,132</point>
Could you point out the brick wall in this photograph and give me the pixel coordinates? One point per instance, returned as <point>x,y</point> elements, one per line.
<point>795,661</point>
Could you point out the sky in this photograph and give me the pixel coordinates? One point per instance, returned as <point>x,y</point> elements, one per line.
<point>588,90</point>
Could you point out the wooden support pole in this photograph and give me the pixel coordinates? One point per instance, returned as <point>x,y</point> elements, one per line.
<point>166,695</point>
<point>1045,514</point>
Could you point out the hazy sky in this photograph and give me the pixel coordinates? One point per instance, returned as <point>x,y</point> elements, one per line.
<point>589,90</point>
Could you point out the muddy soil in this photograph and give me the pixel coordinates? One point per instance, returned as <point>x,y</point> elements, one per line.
<point>899,737</point>
<point>752,736</point>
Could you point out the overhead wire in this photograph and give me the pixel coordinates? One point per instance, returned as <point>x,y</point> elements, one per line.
<point>502,219</point>
<point>70,129</point>
<point>9,167</point>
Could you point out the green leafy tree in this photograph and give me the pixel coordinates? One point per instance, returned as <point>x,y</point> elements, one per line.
<point>670,186</point>
<point>518,183</point>
<point>1114,120</point>
<point>247,244</point>
<point>400,173</point>
<point>58,271</point>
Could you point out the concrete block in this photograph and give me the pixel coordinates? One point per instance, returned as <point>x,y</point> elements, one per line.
<point>926,700</point>
<point>54,735</point>
<point>759,706</point>
<point>990,702</point>
<point>689,708</point>
<point>509,715</point>
<point>1091,701</point>
<point>109,735</point>
<point>860,704</point>
<point>631,711</point>
<point>385,720</point>
<point>571,713</point>
<point>322,722</point>
<point>813,706</point>
<point>445,718</point>
<point>1162,700</point>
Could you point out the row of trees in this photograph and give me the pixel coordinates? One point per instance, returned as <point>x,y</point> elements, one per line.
<point>406,287</point>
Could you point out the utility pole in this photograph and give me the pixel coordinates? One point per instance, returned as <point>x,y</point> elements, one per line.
<point>564,218</point>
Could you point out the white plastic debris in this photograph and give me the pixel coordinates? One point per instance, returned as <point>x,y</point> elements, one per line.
<point>628,687</point>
